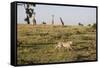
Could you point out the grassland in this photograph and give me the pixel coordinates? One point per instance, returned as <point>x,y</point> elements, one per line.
<point>36,44</point>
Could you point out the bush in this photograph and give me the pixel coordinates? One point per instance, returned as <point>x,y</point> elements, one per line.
<point>94,26</point>
<point>80,24</point>
<point>89,25</point>
<point>43,22</point>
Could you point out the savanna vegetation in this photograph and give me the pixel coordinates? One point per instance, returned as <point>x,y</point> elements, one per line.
<point>36,44</point>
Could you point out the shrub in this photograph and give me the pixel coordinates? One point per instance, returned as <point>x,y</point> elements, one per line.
<point>89,25</point>
<point>80,24</point>
<point>43,22</point>
<point>94,26</point>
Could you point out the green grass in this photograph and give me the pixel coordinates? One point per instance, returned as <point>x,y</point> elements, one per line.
<point>36,44</point>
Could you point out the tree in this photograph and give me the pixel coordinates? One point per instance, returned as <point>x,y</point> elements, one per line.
<point>29,14</point>
<point>34,21</point>
<point>43,22</point>
<point>94,26</point>
<point>89,25</point>
<point>52,19</point>
<point>61,21</point>
<point>80,24</point>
